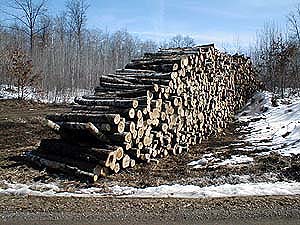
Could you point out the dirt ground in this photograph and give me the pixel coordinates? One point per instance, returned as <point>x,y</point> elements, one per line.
<point>22,127</point>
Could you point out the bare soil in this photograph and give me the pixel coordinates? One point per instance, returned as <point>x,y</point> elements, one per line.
<point>22,127</point>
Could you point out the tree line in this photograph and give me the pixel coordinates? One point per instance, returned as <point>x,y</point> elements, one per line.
<point>276,55</point>
<point>59,53</point>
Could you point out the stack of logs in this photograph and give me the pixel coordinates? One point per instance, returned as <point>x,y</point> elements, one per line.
<point>158,105</point>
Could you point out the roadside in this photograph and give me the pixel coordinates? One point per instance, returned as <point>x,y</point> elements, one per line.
<point>108,211</point>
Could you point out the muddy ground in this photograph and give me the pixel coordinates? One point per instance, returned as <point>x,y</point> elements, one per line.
<point>22,127</point>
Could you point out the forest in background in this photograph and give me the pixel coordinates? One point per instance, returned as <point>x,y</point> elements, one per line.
<point>58,53</point>
<point>276,55</point>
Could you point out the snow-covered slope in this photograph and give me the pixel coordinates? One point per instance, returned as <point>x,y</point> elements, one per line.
<point>272,128</point>
<point>268,125</point>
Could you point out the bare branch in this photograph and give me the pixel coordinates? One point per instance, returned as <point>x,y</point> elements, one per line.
<point>28,15</point>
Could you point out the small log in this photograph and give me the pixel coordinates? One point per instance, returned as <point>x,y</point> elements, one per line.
<point>53,126</point>
<point>126,161</point>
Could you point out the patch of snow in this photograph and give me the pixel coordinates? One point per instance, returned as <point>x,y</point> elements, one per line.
<point>226,190</point>
<point>46,190</point>
<point>235,159</point>
<point>200,162</point>
<point>36,189</point>
<point>55,96</point>
<point>11,92</point>
<point>203,162</point>
<point>272,128</point>
<point>65,96</point>
<point>216,162</point>
<point>163,191</point>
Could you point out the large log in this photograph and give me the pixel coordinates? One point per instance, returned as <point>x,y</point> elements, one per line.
<point>54,165</point>
<point>84,118</point>
<point>138,92</point>
<point>111,79</point>
<point>102,156</point>
<point>123,103</point>
<point>121,86</point>
<point>162,68</point>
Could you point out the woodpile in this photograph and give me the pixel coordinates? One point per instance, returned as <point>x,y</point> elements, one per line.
<point>157,106</point>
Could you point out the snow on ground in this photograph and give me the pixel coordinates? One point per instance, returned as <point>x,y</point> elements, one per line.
<point>235,159</point>
<point>55,96</point>
<point>11,92</point>
<point>163,191</point>
<point>214,162</point>
<point>269,128</point>
<point>272,128</point>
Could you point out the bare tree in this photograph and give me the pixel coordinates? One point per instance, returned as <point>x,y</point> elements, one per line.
<point>180,41</point>
<point>294,23</point>
<point>28,14</point>
<point>275,58</point>
<point>65,54</point>
<point>77,14</point>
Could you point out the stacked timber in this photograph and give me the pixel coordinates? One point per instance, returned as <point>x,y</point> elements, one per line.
<point>156,106</point>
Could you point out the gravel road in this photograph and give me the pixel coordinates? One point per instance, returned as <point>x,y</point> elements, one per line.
<point>273,210</point>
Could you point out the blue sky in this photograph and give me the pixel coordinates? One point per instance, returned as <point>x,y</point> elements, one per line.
<point>223,22</point>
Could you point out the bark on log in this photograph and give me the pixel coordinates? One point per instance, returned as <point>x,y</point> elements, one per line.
<point>54,165</point>
<point>123,103</point>
<point>102,156</point>
<point>85,118</point>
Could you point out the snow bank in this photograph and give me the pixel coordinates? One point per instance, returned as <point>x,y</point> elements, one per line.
<point>226,190</point>
<point>270,127</point>
<point>163,191</point>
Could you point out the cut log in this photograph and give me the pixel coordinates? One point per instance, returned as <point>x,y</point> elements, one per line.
<point>53,126</point>
<point>122,103</point>
<point>84,118</point>
<point>105,156</point>
<point>126,161</point>
<point>70,170</point>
